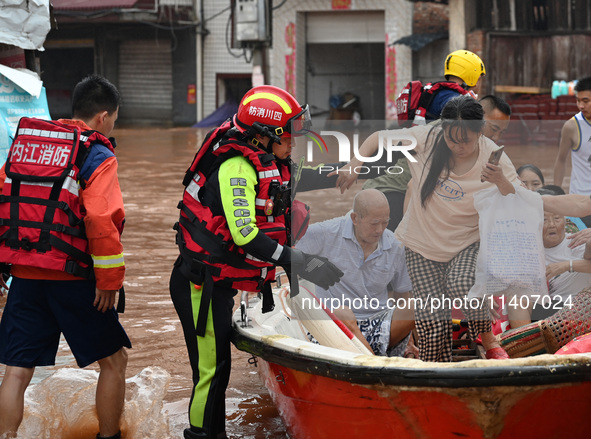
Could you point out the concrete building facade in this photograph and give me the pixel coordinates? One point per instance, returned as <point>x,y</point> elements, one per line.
<point>321,49</point>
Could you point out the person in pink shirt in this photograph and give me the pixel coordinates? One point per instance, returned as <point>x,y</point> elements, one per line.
<point>440,226</point>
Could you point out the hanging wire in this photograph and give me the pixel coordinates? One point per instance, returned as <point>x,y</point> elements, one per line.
<point>217,14</point>
<point>228,48</point>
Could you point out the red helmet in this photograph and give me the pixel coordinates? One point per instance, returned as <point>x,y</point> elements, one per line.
<point>271,111</point>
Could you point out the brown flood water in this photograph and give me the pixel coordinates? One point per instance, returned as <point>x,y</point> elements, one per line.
<point>152,166</point>
<point>152,163</point>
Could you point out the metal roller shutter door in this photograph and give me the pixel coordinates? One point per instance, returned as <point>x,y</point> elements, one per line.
<point>145,80</point>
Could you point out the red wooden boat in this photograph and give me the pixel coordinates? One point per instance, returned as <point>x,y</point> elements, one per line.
<point>323,392</point>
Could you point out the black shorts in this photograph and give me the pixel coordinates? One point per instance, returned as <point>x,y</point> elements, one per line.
<point>38,311</point>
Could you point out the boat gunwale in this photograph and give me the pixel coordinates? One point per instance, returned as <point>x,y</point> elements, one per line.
<point>490,376</point>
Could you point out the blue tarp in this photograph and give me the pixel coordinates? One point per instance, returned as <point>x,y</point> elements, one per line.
<point>418,41</point>
<point>228,109</point>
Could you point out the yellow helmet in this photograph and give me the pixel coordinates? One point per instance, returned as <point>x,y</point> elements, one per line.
<point>465,65</point>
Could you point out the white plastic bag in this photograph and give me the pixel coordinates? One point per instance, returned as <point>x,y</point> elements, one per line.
<point>511,259</point>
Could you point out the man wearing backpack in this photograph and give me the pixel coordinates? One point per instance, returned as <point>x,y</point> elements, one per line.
<point>61,218</point>
<point>418,103</point>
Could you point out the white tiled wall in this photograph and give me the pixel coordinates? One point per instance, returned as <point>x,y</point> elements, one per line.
<point>398,17</point>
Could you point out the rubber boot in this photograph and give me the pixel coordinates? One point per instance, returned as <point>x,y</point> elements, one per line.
<point>191,434</point>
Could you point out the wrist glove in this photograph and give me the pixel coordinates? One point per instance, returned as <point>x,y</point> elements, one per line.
<point>316,269</point>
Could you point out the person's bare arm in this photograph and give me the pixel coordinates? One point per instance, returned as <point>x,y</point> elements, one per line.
<point>557,268</point>
<point>407,196</point>
<point>568,205</point>
<point>579,238</point>
<point>494,174</point>
<point>587,254</point>
<point>567,140</point>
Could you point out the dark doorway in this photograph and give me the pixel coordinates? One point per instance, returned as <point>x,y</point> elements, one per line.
<point>336,71</point>
<point>61,70</point>
<point>231,87</point>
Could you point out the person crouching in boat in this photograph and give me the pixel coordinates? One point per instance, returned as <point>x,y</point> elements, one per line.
<point>373,262</point>
<point>232,233</point>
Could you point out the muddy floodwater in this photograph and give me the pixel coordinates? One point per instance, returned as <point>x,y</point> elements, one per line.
<point>152,163</point>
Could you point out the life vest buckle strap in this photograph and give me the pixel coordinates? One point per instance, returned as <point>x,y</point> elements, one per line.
<point>63,206</point>
<point>28,245</point>
<point>74,253</point>
<point>198,264</point>
<point>75,269</point>
<point>59,228</point>
<point>267,159</point>
<point>25,244</point>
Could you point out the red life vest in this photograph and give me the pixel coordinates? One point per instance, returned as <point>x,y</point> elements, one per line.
<point>415,99</point>
<point>41,218</point>
<point>204,239</point>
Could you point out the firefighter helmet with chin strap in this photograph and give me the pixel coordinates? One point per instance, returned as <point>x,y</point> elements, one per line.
<point>465,65</point>
<point>271,111</point>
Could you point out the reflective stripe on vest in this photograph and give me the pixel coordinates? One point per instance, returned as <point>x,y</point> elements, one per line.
<point>69,185</point>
